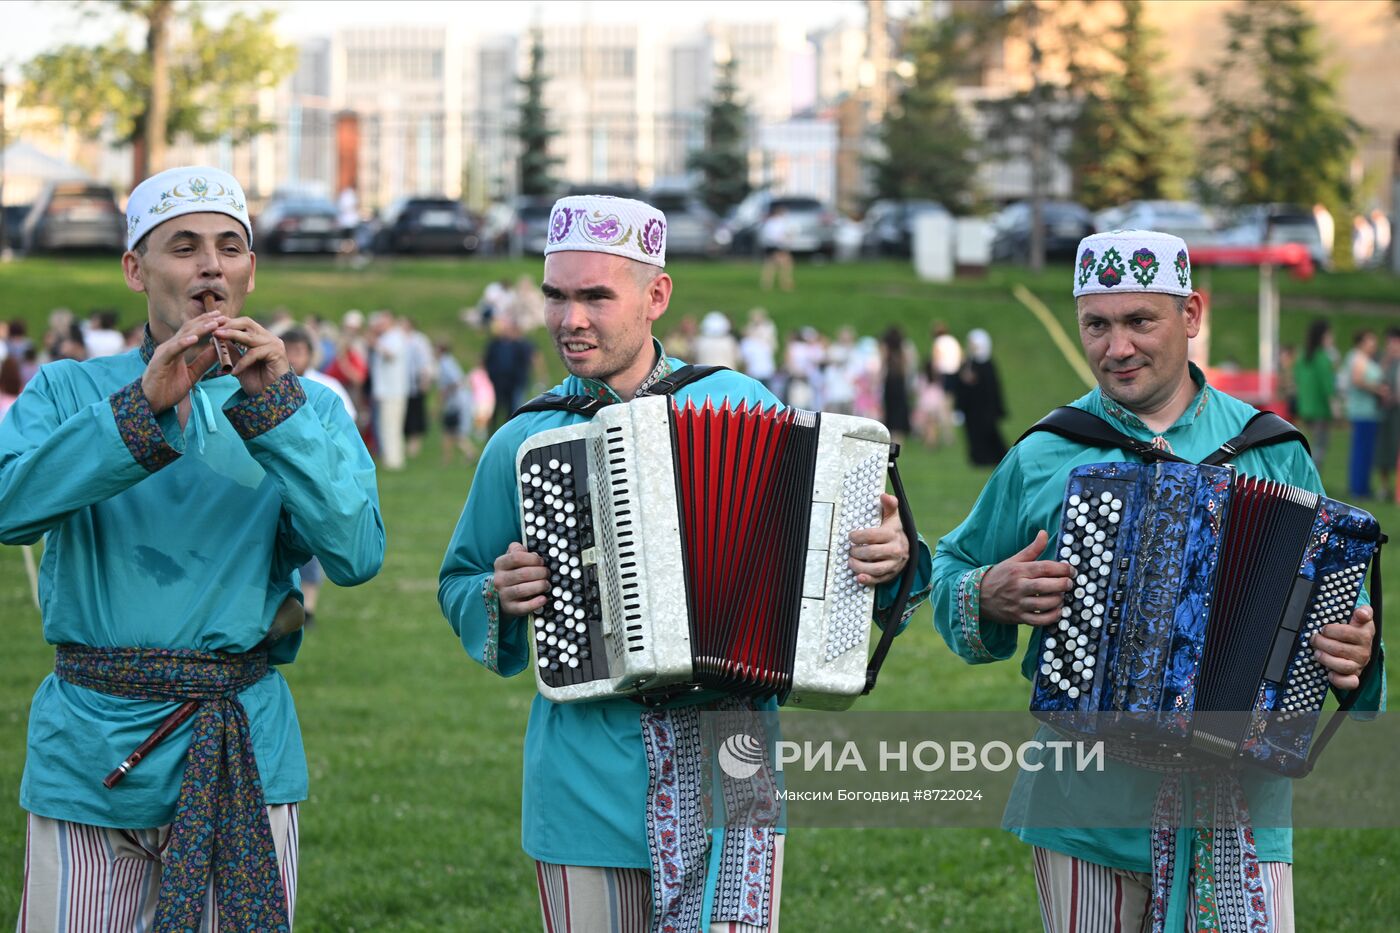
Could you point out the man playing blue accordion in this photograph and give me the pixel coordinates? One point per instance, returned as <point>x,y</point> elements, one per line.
<point>611,809</point>
<point>1105,858</point>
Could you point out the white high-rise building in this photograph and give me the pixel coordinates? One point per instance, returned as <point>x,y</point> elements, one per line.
<point>435,108</point>
<point>405,83</point>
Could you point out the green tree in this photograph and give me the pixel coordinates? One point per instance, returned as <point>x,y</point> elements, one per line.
<point>186,77</point>
<point>723,162</point>
<point>1276,131</point>
<point>1127,144</point>
<point>533,130</point>
<point>928,150</point>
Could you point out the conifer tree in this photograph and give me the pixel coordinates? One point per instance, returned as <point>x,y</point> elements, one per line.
<point>723,163</point>
<point>533,129</point>
<point>1276,131</point>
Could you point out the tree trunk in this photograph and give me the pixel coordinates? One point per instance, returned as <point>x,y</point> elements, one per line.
<point>158,104</point>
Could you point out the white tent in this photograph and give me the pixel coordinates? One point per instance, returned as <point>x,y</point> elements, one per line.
<point>28,168</point>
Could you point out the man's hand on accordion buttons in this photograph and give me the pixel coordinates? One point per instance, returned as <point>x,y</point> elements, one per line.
<point>521,580</point>
<point>1345,649</point>
<point>1025,590</point>
<point>879,554</point>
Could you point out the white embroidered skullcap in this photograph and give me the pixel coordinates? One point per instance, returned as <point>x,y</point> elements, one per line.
<point>193,189</point>
<point>1132,261</point>
<point>598,223</point>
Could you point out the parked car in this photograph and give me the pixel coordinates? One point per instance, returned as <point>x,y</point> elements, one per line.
<point>1065,223</point>
<point>532,224</point>
<point>610,189</point>
<point>426,225</point>
<point>690,225</point>
<point>1274,224</point>
<point>74,215</point>
<point>14,224</point>
<point>297,223</point>
<point>811,224</point>
<point>888,226</point>
<point>1185,219</point>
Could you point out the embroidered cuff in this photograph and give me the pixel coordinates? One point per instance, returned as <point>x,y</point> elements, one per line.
<point>491,650</point>
<point>969,613</point>
<point>139,429</point>
<point>258,414</point>
<point>915,601</point>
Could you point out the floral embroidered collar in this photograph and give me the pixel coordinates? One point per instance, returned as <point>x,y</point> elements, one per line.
<point>1133,424</point>
<point>596,388</point>
<point>148,350</point>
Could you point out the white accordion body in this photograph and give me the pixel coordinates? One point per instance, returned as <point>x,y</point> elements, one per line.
<point>629,552</point>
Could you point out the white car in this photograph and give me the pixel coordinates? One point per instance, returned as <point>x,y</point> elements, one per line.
<point>1181,218</point>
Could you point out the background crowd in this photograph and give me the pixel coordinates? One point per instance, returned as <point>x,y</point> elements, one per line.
<point>1325,385</point>
<point>395,380</point>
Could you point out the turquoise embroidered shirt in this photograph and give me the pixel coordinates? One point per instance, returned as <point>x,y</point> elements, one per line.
<point>1024,495</point>
<point>157,537</point>
<point>585,769</point>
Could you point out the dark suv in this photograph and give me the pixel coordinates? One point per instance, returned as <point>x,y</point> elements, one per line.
<point>427,225</point>
<point>74,215</point>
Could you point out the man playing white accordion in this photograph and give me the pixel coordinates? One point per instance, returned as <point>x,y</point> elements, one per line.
<point>611,791</point>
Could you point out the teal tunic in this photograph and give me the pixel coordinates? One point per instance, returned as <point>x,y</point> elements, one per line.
<point>1023,496</point>
<point>161,538</point>
<point>585,768</point>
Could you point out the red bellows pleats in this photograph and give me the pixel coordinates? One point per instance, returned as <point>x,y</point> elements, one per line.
<point>744,482</point>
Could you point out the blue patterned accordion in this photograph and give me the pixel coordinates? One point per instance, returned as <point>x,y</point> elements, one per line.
<point>1196,594</point>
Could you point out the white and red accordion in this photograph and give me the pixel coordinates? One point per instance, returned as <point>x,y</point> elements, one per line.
<point>704,548</point>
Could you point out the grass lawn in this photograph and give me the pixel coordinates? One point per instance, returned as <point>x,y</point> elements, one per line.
<point>414,751</point>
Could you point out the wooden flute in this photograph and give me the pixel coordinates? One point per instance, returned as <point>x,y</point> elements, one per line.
<point>169,725</point>
<point>225,359</point>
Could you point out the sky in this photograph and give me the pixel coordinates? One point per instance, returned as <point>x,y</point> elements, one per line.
<point>31,26</point>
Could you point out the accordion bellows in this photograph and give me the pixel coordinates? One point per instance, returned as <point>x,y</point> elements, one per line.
<point>1197,592</point>
<point>702,547</point>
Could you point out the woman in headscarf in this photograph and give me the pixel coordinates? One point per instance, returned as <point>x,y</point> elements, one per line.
<point>978,396</point>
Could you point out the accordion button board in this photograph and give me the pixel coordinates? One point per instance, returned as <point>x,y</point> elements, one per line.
<point>707,547</point>
<point>558,525</point>
<point>1196,595</point>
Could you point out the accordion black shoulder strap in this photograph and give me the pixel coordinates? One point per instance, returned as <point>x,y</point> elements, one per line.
<point>1264,429</point>
<point>1083,427</point>
<point>1075,424</point>
<point>694,372</point>
<point>588,405</point>
<point>894,613</point>
<point>578,404</point>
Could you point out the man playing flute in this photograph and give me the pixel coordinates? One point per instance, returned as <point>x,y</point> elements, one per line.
<point>176,503</point>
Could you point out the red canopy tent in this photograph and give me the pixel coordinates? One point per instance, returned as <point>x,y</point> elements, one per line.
<point>1257,387</point>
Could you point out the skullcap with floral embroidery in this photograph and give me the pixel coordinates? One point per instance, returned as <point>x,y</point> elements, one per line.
<point>193,189</point>
<point>1132,261</point>
<point>597,223</point>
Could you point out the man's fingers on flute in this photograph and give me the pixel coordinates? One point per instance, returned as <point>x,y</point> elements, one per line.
<point>201,363</point>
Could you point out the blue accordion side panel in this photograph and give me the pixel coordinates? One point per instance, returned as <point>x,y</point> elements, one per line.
<point>1339,552</point>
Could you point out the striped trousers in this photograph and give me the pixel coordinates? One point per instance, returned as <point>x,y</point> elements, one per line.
<point>1083,897</point>
<point>583,899</point>
<point>91,879</point>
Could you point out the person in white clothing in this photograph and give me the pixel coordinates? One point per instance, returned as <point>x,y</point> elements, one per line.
<point>774,237</point>
<point>389,386</point>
